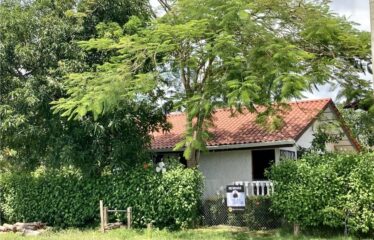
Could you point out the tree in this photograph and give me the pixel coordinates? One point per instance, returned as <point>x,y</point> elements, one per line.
<point>34,37</point>
<point>214,53</point>
<point>37,48</point>
<point>118,11</point>
<point>362,125</point>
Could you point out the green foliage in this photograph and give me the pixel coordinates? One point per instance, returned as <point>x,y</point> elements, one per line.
<point>329,131</point>
<point>65,198</point>
<point>115,11</point>
<point>38,47</point>
<point>220,53</point>
<point>334,190</point>
<point>362,125</point>
<point>35,40</point>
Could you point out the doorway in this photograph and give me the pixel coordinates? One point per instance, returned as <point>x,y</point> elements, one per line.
<point>261,160</point>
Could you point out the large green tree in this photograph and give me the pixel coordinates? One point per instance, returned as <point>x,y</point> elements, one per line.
<point>235,53</point>
<point>362,125</point>
<point>37,48</point>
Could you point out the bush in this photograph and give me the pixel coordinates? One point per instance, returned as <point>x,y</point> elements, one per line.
<point>258,214</point>
<point>65,198</point>
<point>334,190</point>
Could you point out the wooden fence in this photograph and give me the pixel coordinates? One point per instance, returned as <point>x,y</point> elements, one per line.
<point>104,211</point>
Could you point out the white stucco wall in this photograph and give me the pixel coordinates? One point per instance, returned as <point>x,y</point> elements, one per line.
<point>223,168</point>
<point>306,139</point>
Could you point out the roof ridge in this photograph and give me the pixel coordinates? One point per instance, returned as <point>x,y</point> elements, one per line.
<point>228,108</point>
<point>311,100</point>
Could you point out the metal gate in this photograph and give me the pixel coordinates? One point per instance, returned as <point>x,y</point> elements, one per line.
<point>256,215</point>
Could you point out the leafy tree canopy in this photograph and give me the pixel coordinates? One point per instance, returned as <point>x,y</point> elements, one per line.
<point>205,54</point>
<point>118,11</point>
<point>362,125</point>
<point>37,49</point>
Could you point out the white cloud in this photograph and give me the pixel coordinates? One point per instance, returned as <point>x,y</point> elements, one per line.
<point>355,10</point>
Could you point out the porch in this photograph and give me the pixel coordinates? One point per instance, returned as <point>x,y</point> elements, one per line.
<point>256,188</point>
<point>251,188</point>
<point>239,167</point>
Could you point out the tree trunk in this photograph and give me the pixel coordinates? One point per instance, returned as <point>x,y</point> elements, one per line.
<point>195,157</point>
<point>195,153</point>
<point>192,163</point>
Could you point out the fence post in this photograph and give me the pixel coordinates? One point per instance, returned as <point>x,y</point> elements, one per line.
<point>102,227</point>
<point>296,229</point>
<point>129,217</point>
<point>105,217</point>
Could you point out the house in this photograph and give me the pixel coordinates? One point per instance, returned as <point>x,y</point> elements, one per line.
<point>240,149</point>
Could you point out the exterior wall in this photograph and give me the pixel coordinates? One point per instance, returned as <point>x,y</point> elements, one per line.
<point>306,139</point>
<point>223,168</point>
<point>344,144</point>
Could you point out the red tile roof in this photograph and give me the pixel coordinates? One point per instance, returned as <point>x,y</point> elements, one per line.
<point>242,128</point>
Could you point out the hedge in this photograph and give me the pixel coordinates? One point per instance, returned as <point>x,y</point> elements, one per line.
<point>333,190</point>
<point>66,199</point>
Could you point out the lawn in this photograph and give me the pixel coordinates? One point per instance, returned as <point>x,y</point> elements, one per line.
<point>198,234</point>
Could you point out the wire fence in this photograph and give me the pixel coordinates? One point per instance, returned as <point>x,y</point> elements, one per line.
<point>256,215</point>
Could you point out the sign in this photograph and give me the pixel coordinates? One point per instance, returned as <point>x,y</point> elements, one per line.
<point>235,195</point>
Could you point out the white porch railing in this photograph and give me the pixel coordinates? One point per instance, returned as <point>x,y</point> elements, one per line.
<point>257,188</point>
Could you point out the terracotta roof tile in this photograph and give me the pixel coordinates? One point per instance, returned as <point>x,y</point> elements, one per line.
<point>242,128</point>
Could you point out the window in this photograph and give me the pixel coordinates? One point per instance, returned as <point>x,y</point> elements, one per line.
<point>164,157</point>
<point>286,154</point>
<point>261,160</point>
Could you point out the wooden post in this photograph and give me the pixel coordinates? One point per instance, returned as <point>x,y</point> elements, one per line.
<point>105,216</point>
<point>149,226</point>
<point>116,214</point>
<point>296,229</point>
<point>102,227</point>
<point>149,230</point>
<point>129,217</point>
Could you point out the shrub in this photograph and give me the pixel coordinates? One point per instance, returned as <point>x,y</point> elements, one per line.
<point>334,190</point>
<point>67,199</point>
<point>258,214</point>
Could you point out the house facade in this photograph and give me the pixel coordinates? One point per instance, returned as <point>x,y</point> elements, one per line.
<point>240,149</point>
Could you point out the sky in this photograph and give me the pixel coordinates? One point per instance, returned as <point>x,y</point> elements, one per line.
<point>354,10</point>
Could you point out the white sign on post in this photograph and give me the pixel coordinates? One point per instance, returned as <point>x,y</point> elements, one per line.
<point>235,197</point>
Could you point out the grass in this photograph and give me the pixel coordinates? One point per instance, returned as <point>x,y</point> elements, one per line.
<point>221,233</point>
